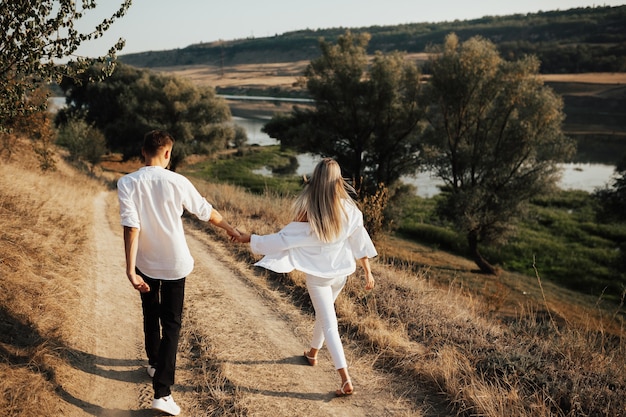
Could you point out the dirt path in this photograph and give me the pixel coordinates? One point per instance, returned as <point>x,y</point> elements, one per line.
<point>109,377</point>
<point>259,338</point>
<point>256,338</point>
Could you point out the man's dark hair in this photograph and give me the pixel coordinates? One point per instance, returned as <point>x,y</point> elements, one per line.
<point>156,139</point>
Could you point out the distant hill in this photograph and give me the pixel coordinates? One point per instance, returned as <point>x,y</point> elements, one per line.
<point>591,39</point>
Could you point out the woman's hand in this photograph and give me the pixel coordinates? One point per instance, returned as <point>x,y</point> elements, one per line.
<point>367,270</point>
<point>369,281</point>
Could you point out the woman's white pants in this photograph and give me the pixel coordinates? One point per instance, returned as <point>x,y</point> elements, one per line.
<point>323,293</point>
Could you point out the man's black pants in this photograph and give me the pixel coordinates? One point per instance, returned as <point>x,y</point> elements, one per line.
<point>162,319</point>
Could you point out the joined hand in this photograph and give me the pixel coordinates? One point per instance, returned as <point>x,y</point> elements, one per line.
<point>239,236</point>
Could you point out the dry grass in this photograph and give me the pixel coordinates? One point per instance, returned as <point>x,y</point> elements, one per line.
<point>44,226</point>
<point>591,78</point>
<point>442,332</point>
<point>498,352</point>
<point>214,394</point>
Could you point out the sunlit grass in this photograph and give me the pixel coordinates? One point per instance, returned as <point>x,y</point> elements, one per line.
<point>474,342</point>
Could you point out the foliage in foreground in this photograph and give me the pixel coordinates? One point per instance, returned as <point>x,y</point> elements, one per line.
<point>35,35</point>
<point>84,142</point>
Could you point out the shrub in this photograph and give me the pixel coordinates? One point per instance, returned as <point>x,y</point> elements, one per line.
<point>83,141</point>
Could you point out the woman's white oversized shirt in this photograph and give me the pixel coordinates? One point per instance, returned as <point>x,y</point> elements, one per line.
<point>297,247</point>
<point>152,200</point>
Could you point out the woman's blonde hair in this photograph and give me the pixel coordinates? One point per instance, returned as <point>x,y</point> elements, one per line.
<point>320,203</point>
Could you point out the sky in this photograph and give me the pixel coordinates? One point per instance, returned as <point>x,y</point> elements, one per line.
<point>155,25</point>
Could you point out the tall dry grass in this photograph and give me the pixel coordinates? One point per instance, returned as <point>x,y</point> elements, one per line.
<point>444,340</point>
<point>44,226</point>
<point>437,341</point>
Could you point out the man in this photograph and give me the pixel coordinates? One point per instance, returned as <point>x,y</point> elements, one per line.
<point>152,200</point>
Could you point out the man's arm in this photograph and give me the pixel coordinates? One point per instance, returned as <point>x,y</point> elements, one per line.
<point>216,219</point>
<point>131,244</point>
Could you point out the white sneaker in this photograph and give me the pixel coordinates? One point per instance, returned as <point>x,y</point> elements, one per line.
<point>166,405</point>
<point>151,370</point>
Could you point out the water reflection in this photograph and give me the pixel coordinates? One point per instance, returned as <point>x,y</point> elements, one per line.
<point>576,176</point>
<point>253,130</point>
<point>586,177</point>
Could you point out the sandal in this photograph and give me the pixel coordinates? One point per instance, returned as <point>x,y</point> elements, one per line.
<point>312,360</point>
<point>343,392</point>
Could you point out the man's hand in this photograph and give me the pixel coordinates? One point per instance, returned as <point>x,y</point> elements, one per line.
<point>138,283</point>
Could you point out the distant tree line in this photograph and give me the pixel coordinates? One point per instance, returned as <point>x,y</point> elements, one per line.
<point>569,41</point>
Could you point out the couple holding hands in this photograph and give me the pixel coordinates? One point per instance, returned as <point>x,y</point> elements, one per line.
<point>325,240</point>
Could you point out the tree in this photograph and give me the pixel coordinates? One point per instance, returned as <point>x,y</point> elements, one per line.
<point>133,101</point>
<point>494,138</point>
<point>612,199</point>
<point>35,34</point>
<point>365,116</point>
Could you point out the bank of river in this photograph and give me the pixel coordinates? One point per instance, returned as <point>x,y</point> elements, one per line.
<point>576,176</point>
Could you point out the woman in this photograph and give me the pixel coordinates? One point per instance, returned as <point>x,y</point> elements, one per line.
<point>324,241</point>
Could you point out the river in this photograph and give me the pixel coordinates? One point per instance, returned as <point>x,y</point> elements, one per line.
<point>575,176</point>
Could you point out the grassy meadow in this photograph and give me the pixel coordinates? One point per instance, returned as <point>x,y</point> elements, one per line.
<point>506,346</point>
<point>45,222</point>
<point>495,346</point>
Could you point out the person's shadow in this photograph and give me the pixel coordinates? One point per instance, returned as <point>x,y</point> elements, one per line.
<point>297,360</point>
<point>20,343</point>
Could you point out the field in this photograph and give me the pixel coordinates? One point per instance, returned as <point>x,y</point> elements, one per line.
<point>285,74</point>
<point>433,339</point>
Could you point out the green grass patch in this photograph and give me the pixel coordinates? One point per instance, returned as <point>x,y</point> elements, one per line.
<point>560,235</point>
<point>257,169</point>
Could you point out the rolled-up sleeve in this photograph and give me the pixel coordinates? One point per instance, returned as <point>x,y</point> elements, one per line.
<point>128,210</point>
<point>195,203</point>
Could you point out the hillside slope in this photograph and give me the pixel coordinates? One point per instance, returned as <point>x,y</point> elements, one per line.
<point>432,339</point>
<point>576,40</point>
